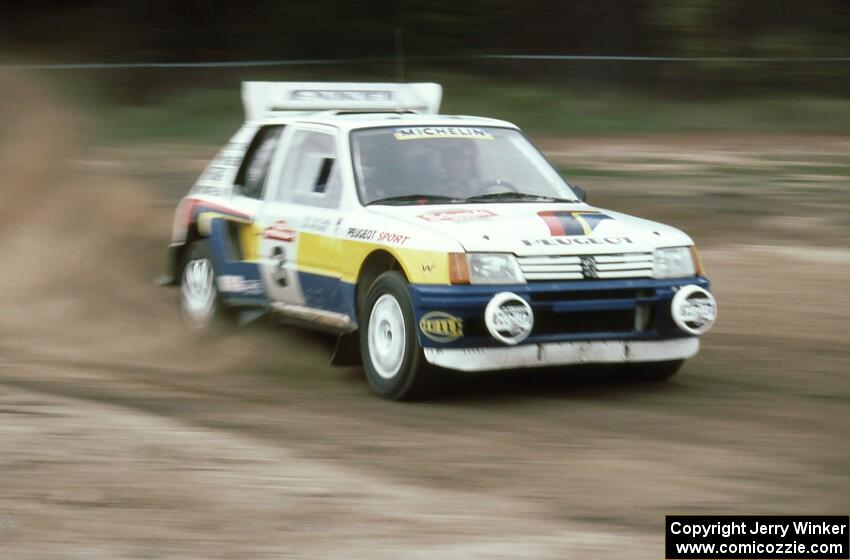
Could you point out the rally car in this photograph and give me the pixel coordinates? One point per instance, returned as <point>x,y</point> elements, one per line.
<point>426,241</point>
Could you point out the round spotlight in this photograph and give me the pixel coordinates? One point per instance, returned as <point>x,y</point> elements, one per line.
<point>509,318</point>
<point>694,309</point>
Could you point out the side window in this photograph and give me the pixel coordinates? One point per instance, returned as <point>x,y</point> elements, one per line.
<point>310,172</point>
<point>252,173</point>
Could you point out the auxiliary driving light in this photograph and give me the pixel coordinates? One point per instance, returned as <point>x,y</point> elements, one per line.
<point>509,318</point>
<point>694,309</point>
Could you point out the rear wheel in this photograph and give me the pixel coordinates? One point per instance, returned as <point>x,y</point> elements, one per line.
<point>392,358</point>
<point>654,371</point>
<point>200,300</point>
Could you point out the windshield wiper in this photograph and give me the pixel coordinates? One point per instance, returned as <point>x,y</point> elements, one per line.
<point>415,198</point>
<point>510,195</point>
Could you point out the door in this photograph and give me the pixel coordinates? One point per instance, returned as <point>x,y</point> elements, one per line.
<point>299,249</point>
<point>233,233</point>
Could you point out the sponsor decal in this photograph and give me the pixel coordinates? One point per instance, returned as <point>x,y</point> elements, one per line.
<point>394,238</point>
<point>441,327</point>
<point>280,231</point>
<point>555,241</point>
<point>230,160</point>
<point>315,223</point>
<point>220,167</point>
<point>340,95</point>
<point>239,284</point>
<point>572,223</point>
<point>419,132</point>
<point>213,173</point>
<point>214,188</point>
<point>360,233</point>
<point>457,215</point>
<point>428,266</point>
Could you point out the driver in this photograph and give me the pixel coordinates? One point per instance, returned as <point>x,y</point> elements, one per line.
<point>457,168</point>
<point>380,174</point>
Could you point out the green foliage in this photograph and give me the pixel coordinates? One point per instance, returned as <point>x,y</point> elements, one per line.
<point>211,114</point>
<point>203,115</point>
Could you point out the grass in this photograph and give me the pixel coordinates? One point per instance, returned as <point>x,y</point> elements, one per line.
<point>199,116</point>
<point>564,111</point>
<point>211,114</point>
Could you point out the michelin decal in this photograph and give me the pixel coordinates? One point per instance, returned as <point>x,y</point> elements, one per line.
<point>419,132</point>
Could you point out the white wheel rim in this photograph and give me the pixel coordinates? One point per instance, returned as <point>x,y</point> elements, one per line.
<point>387,340</point>
<point>198,292</point>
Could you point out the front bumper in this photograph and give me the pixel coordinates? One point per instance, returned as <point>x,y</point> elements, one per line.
<point>568,311</point>
<point>562,353</point>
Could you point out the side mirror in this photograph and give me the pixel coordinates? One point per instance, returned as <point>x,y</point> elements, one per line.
<point>580,192</point>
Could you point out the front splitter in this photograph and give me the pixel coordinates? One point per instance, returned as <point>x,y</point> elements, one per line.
<point>562,353</point>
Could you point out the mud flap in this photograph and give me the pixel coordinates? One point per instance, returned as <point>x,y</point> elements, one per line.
<point>250,315</point>
<point>347,351</point>
<point>172,267</point>
<point>165,281</point>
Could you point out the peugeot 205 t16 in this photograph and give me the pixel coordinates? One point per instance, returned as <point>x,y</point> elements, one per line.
<point>426,241</point>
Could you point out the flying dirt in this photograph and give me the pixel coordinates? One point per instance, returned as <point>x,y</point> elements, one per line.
<point>124,434</point>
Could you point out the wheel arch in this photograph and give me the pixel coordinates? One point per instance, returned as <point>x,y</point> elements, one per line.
<point>179,252</point>
<point>375,264</point>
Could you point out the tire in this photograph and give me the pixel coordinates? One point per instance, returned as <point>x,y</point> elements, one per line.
<point>654,371</point>
<point>392,357</point>
<point>200,300</point>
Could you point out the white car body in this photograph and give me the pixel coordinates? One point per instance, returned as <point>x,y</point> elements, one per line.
<point>308,257</point>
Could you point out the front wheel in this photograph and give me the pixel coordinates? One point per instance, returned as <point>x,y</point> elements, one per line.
<point>392,357</point>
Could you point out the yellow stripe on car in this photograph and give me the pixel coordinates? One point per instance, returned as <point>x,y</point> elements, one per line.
<point>249,241</point>
<point>332,256</point>
<point>249,233</point>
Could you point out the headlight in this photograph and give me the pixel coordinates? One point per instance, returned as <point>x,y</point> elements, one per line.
<point>673,262</point>
<point>485,268</point>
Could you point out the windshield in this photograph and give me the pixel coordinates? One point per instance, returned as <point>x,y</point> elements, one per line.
<point>445,164</point>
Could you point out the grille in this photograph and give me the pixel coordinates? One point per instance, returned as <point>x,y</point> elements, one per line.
<point>546,322</point>
<point>603,267</point>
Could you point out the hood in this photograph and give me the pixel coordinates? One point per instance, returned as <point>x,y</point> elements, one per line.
<point>538,228</point>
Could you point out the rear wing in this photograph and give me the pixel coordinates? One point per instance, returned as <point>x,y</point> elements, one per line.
<point>262,99</point>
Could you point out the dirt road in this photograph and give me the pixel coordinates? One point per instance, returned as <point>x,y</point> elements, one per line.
<point>123,436</point>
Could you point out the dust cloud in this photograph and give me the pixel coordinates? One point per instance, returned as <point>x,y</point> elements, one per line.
<point>82,247</point>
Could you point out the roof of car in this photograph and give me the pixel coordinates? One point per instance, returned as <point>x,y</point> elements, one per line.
<point>354,120</point>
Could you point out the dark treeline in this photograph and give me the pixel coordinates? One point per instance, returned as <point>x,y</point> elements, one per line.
<point>192,30</point>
